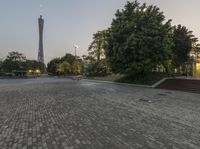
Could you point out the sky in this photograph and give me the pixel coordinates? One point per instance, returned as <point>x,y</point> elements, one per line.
<point>69,22</point>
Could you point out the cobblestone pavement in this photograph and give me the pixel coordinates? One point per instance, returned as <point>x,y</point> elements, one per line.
<point>51,113</point>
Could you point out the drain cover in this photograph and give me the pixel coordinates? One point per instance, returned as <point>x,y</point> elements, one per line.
<point>145,100</point>
<point>161,94</point>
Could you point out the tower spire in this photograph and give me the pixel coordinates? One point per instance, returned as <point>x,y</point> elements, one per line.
<point>40,49</point>
<point>41,9</point>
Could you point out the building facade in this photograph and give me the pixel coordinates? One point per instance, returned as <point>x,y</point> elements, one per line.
<point>196,67</point>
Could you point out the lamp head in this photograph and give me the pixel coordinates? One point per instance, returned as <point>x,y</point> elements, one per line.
<point>76,46</point>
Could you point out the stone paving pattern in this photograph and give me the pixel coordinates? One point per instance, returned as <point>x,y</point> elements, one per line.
<point>52,113</point>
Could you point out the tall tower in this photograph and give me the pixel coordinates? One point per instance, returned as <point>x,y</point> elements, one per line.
<point>40,50</point>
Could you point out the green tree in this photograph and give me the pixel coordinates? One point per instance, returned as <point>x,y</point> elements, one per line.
<point>138,40</point>
<point>96,49</point>
<point>16,56</point>
<point>1,63</point>
<point>184,43</point>
<point>34,65</point>
<point>69,58</point>
<point>63,68</point>
<point>57,66</point>
<point>52,65</point>
<point>14,61</point>
<point>76,68</point>
<point>1,67</point>
<point>95,62</point>
<point>96,68</point>
<point>196,49</point>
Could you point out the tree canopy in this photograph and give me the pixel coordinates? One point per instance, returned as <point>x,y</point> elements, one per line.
<point>184,43</point>
<point>139,39</point>
<point>63,68</point>
<point>16,61</point>
<point>52,65</point>
<point>95,62</point>
<point>96,48</point>
<point>66,65</point>
<point>1,64</point>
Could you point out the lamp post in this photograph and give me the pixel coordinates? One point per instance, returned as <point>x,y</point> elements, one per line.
<point>75,48</point>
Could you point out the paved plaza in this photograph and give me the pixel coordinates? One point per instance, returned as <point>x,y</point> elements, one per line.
<point>57,113</point>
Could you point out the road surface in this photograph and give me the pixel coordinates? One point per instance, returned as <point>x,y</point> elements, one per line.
<point>54,113</point>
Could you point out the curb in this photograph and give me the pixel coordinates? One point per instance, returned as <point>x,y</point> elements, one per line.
<point>181,78</point>
<point>118,83</point>
<point>136,85</point>
<point>161,81</point>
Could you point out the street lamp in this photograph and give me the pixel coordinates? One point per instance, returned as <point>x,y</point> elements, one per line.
<point>75,47</point>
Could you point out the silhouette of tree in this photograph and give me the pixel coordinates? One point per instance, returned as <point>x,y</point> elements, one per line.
<point>96,48</point>
<point>184,43</point>
<point>14,61</point>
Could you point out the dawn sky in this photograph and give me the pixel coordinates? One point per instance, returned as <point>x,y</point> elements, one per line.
<point>69,22</point>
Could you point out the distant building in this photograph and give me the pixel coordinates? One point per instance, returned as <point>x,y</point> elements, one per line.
<point>40,49</point>
<point>196,67</point>
<point>194,63</point>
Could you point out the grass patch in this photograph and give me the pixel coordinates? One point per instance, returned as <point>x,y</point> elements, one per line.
<point>148,79</point>
<point>112,77</point>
